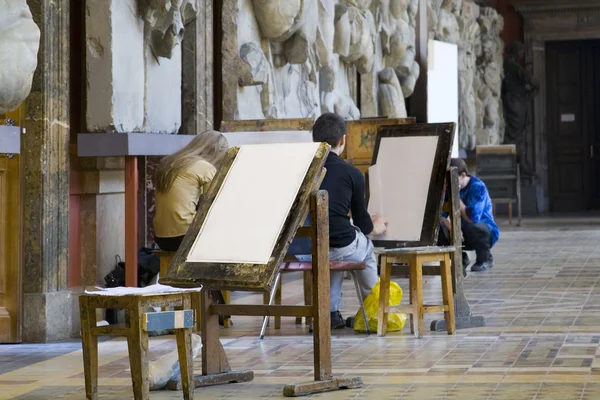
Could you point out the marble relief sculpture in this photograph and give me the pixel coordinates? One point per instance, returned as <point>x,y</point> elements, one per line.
<point>313,50</point>
<point>476,30</point>
<point>490,71</point>
<point>164,22</point>
<point>19,45</point>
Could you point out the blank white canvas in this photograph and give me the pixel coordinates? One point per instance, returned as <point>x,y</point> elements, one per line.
<point>399,187</point>
<point>442,86</point>
<point>243,138</point>
<point>250,209</point>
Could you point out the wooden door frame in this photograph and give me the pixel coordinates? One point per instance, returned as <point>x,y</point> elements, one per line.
<point>551,21</point>
<point>16,277</point>
<point>586,110</point>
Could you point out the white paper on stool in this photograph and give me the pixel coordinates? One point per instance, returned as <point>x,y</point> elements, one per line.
<point>399,184</point>
<point>248,214</point>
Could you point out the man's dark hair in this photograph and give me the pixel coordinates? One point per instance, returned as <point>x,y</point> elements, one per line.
<point>329,128</point>
<point>461,165</point>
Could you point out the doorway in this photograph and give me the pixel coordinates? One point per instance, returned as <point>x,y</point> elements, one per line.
<point>573,120</point>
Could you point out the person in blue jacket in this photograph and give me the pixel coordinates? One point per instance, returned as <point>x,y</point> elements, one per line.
<point>480,232</point>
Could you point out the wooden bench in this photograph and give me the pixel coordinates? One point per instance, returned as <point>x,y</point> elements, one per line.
<point>166,257</point>
<point>414,258</point>
<point>306,267</point>
<point>136,329</point>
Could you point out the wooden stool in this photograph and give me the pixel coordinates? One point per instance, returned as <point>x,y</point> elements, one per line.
<point>166,257</point>
<point>136,329</point>
<point>349,267</point>
<point>415,257</point>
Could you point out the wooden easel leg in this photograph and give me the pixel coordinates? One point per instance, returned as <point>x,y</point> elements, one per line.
<point>211,345</point>
<point>197,310</point>
<point>184,349</point>
<point>320,292</point>
<point>137,343</point>
<point>89,344</point>
<point>215,367</point>
<point>227,298</point>
<point>308,293</point>
<point>321,299</point>
<point>278,301</point>
<point>384,296</point>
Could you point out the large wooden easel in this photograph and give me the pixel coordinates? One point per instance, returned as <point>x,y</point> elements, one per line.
<point>255,277</point>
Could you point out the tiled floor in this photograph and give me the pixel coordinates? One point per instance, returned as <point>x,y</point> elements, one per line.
<point>542,339</point>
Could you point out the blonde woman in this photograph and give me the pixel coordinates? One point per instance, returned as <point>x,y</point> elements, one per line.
<point>181,179</point>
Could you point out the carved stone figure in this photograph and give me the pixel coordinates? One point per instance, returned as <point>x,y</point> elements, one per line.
<point>469,48</point>
<point>258,65</point>
<point>391,98</point>
<point>19,45</point>
<point>164,23</point>
<point>447,28</point>
<point>489,68</point>
<point>332,100</point>
<point>518,90</point>
<point>354,38</point>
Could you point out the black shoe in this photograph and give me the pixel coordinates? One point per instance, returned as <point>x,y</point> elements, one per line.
<point>337,321</point>
<point>484,266</point>
<point>350,322</point>
<point>465,263</point>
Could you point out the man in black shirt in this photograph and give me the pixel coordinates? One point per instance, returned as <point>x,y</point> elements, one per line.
<point>348,239</point>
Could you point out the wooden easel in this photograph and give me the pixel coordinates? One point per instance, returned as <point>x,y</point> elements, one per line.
<point>464,319</point>
<point>245,277</point>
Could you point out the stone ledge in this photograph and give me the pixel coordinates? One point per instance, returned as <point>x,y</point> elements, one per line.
<point>129,144</point>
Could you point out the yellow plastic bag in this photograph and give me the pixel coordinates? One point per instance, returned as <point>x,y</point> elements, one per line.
<point>396,321</point>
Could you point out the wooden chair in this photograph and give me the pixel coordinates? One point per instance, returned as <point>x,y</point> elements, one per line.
<point>136,329</point>
<point>414,258</point>
<point>166,257</point>
<point>306,267</point>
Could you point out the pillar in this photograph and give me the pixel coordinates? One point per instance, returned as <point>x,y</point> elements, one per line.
<point>47,301</point>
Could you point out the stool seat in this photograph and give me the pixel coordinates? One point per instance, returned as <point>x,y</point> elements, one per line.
<point>333,266</point>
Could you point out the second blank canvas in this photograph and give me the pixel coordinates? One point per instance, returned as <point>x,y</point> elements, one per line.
<point>399,184</point>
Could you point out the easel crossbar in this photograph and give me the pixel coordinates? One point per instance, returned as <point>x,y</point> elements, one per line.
<point>261,310</point>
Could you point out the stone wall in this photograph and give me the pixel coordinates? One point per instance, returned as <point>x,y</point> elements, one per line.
<point>301,58</point>
<point>476,30</point>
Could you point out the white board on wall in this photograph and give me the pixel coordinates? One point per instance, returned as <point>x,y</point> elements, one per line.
<point>442,86</point>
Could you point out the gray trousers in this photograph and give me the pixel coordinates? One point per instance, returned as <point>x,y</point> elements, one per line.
<point>360,250</point>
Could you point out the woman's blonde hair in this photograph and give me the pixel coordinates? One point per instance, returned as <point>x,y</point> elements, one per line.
<point>209,146</point>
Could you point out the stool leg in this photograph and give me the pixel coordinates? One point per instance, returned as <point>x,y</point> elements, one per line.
<point>278,302</point>
<point>137,344</point>
<point>270,301</point>
<point>89,344</point>
<point>447,294</point>
<point>417,295</point>
<point>308,293</point>
<point>184,349</point>
<point>510,213</point>
<point>360,300</point>
<point>384,297</point>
